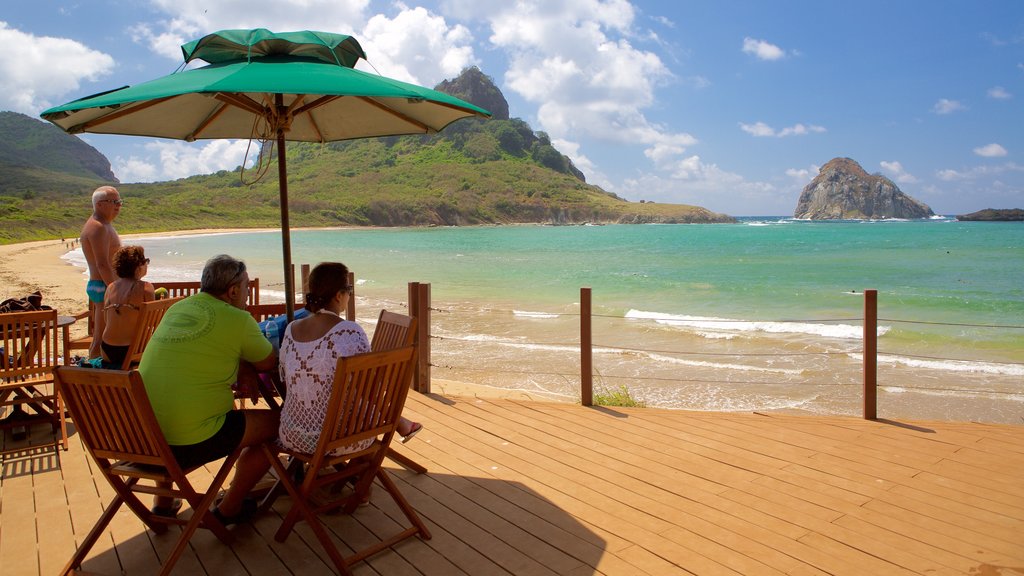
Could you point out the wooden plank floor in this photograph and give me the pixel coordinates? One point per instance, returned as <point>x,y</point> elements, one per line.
<point>542,488</point>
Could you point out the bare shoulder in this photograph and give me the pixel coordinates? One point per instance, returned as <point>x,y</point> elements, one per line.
<point>93,228</point>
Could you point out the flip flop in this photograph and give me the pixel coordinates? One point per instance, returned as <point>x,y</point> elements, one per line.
<point>416,427</point>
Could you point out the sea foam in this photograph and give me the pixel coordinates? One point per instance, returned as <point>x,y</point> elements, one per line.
<point>727,325</point>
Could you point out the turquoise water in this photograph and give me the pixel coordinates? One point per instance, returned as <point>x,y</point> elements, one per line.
<point>676,302</point>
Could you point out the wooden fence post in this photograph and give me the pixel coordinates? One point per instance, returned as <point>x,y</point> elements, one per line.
<point>586,350</point>
<point>350,311</point>
<point>305,281</point>
<point>870,354</point>
<point>419,308</point>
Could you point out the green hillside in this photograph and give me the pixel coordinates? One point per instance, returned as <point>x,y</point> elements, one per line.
<point>495,171</point>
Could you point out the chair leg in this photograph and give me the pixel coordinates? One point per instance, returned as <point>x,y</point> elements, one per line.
<point>63,420</point>
<point>407,462</point>
<point>407,508</point>
<point>90,539</point>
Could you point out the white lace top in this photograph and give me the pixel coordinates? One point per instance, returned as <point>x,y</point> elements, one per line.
<point>307,370</point>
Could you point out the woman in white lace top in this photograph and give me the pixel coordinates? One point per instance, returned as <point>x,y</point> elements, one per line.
<point>310,350</point>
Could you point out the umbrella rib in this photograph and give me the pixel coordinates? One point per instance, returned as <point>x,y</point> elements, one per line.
<point>241,101</point>
<point>311,106</point>
<point>209,120</point>
<point>115,115</point>
<point>396,113</point>
<point>316,104</point>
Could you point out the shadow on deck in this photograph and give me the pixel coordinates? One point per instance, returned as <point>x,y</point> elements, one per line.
<point>542,488</point>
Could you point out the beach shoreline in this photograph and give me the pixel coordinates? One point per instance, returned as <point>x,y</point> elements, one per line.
<point>487,349</point>
<point>37,265</point>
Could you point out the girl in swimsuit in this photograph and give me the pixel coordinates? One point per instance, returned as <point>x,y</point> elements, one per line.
<point>121,304</point>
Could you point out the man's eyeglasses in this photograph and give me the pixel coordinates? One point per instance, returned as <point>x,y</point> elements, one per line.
<point>114,202</point>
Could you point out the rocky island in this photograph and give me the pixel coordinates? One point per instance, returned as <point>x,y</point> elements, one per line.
<point>842,190</point>
<point>994,215</point>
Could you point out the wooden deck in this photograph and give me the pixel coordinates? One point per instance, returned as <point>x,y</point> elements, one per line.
<point>538,488</point>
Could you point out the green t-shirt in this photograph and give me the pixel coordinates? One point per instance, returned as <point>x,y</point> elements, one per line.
<point>191,362</point>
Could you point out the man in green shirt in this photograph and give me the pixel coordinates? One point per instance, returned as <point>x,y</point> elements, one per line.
<point>189,367</point>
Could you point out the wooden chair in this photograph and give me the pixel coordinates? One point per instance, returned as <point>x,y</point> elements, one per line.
<point>176,289</point>
<point>261,312</point>
<point>150,315</point>
<point>365,404</point>
<point>29,357</point>
<point>85,342</point>
<point>129,448</point>
<point>394,331</point>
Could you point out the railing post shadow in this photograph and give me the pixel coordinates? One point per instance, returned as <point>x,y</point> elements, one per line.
<point>871,354</point>
<point>586,350</point>
<point>419,308</point>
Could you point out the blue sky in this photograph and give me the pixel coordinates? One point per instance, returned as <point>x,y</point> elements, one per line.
<point>730,105</point>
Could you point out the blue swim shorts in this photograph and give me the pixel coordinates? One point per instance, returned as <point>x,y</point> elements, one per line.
<point>95,290</point>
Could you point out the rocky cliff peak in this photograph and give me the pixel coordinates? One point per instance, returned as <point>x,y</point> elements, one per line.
<point>843,190</point>
<point>475,87</point>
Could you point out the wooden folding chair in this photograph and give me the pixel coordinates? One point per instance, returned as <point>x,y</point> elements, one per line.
<point>175,289</point>
<point>84,342</point>
<point>150,315</point>
<point>30,355</point>
<point>394,331</point>
<point>366,402</point>
<point>112,412</point>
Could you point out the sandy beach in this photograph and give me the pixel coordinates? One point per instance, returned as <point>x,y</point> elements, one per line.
<point>30,266</point>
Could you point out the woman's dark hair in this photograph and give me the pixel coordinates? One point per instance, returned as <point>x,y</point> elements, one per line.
<point>127,259</point>
<point>325,280</point>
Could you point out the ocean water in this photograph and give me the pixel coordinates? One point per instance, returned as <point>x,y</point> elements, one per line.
<point>761,315</point>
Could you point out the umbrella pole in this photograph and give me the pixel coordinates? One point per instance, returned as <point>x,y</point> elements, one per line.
<point>286,240</point>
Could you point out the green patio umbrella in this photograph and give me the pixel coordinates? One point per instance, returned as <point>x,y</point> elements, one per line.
<point>270,86</point>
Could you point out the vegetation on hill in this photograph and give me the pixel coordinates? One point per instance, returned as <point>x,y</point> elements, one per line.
<point>475,172</point>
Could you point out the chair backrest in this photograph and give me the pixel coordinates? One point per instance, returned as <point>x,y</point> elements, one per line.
<point>367,398</point>
<point>175,289</point>
<point>29,343</point>
<point>112,413</point>
<point>261,312</point>
<point>393,331</point>
<point>150,315</point>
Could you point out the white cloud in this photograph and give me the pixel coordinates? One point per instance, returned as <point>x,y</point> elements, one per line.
<point>187,20</point>
<point>898,172</point>
<point>694,182</point>
<point>762,49</point>
<point>36,71</point>
<point>576,62</point>
<point>950,175</point>
<point>990,151</point>
<point>999,93</point>
<point>417,46</point>
<point>946,106</point>
<point>802,175</point>
<point>761,129</point>
<point>758,129</point>
<point>170,160</point>
<point>413,46</point>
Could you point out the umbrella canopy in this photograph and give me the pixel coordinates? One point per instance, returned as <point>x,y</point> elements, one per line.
<point>270,86</point>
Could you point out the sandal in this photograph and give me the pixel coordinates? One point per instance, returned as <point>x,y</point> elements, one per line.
<point>249,508</point>
<point>416,427</point>
<point>169,511</point>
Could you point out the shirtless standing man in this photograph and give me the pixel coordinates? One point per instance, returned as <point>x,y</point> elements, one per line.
<point>99,242</point>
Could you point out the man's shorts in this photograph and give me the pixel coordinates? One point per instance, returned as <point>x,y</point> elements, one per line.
<point>95,289</point>
<point>215,447</point>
